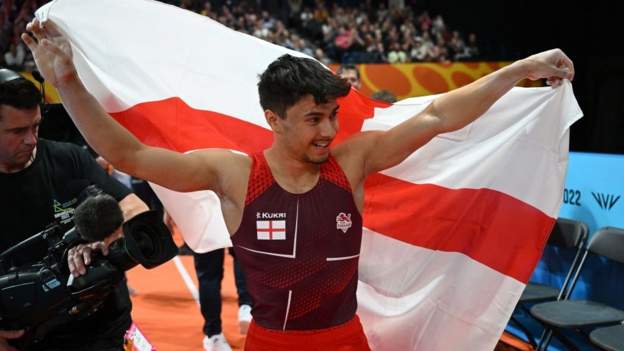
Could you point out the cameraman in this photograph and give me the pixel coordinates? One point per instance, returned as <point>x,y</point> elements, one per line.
<point>40,181</point>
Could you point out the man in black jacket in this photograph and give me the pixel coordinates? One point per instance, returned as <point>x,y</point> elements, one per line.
<point>40,181</point>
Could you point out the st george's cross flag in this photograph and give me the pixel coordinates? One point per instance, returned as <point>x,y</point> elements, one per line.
<point>451,234</point>
<point>271,230</point>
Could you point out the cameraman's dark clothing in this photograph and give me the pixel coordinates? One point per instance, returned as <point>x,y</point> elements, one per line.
<point>46,191</point>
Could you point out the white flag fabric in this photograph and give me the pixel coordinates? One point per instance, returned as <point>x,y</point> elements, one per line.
<point>451,235</point>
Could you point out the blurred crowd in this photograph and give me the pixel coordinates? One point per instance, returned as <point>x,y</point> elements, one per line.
<point>332,31</point>
<point>345,31</point>
<point>14,14</point>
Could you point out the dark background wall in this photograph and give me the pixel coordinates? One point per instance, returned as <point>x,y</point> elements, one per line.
<point>589,31</point>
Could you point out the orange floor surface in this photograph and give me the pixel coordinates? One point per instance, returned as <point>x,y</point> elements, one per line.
<point>169,317</point>
<point>166,312</point>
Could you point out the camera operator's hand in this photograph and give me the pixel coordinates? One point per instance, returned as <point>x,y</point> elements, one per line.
<point>79,256</point>
<point>104,164</point>
<point>9,334</point>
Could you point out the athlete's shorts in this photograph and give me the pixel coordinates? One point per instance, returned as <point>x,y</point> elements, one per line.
<point>345,337</point>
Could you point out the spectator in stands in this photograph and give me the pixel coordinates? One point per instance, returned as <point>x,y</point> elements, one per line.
<point>396,54</point>
<point>456,45</point>
<point>300,44</point>
<point>319,54</point>
<point>207,10</point>
<point>472,49</point>
<point>374,47</point>
<point>351,74</point>
<point>424,21</point>
<point>468,51</point>
<point>438,26</point>
<point>419,51</point>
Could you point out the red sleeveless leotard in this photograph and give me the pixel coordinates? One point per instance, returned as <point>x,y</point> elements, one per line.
<point>299,252</point>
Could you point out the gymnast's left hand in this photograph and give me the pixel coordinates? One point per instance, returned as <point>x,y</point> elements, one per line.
<point>52,52</point>
<point>554,65</point>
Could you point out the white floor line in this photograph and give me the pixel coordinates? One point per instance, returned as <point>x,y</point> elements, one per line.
<point>188,281</point>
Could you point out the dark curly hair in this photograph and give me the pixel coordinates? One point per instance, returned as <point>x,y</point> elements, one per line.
<point>290,78</point>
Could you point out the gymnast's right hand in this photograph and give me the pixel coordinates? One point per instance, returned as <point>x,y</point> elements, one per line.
<point>51,51</point>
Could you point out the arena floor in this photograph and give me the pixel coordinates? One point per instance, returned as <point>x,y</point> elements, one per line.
<point>166,312</point>
<point>168,315</point>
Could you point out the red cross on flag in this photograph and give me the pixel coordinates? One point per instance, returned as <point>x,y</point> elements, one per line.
<point>453,232</point>
<point>271,230</point>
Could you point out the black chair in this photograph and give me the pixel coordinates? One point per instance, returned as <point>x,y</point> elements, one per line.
<point>578,315</point>
<point>608,338</point>
<point>568,234</point>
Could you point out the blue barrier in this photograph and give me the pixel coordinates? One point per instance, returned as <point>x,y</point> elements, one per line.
<point>594,194</point>
<point>594,190</point>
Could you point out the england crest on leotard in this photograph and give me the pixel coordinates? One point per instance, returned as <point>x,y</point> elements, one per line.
<point>343,222</point>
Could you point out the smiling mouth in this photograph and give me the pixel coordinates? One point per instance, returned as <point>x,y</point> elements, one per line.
<point>323,145</point>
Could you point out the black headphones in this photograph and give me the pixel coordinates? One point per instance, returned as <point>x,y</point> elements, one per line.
<point>6,75</point>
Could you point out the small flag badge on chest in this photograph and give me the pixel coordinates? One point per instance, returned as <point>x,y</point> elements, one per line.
<point>271,230</point>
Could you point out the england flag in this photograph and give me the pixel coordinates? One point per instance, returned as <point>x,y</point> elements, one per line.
<point>271,230</point>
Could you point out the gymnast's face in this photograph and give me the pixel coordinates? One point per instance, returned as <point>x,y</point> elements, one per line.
<point>307,130</point>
